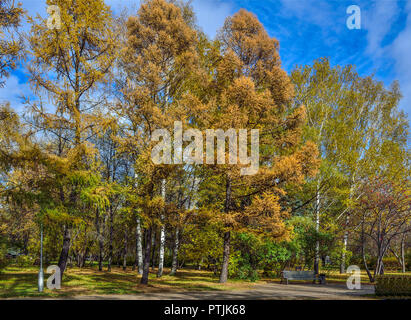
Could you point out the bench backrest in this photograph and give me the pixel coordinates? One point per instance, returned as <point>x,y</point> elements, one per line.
<point>298,274</point>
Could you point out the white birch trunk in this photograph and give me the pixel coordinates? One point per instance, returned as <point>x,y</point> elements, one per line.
<point>162,234</point>
<point>317,228</point>
<point>174,264</point>
<point>139,247</point>
<point>403,254</point>
<point>345,243</point>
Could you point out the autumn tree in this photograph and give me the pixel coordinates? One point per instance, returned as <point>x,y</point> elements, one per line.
<point>158,58</point>
<point>11,51</point>
<point>70,62</point>
<point>10,45</point>
<point>382,213</point>
<point>249,90</point>
<point>354,121</point>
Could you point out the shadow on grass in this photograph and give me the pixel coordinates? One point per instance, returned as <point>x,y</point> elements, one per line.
<point>22,282</point>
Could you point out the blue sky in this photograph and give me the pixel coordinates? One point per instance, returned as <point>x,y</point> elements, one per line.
<point>309,29</point>
<point>306,29</point>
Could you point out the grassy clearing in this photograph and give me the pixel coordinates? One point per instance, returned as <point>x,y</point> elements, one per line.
<point>22,282</point>
<point>334,276</point>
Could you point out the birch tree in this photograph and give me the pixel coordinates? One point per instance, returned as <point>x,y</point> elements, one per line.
<point>349,117</point>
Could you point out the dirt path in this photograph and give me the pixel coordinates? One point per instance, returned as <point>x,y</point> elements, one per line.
<point>270,291</point>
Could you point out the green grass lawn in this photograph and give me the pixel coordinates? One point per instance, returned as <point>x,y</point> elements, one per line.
<point>334,276</point>
<point>22,282</point>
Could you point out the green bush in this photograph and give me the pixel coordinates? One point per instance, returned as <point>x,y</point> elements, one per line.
<point>408,261</point>
<point>4,261</point>
<point>251,254</point>
<point>390,263</point>
<point>24,261</point>
<point>393,285</point>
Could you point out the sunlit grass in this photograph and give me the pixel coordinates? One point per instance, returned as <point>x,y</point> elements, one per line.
<point>22,282</point>
<point>334,276</point>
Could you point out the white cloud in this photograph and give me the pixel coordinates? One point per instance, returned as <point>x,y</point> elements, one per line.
<point>118,5</point>
<point>211,14</point>
<point>13,91</point>
<point>378,23</point>
<point>400,50</point>
<point>319,13</point>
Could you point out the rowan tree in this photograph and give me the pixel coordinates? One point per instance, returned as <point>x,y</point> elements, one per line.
<point>382,213</point>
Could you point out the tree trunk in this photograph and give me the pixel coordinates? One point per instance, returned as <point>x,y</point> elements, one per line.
<point>161,251</point>
<point>101,245</point>
<point>345,244</point>
<point>317,229</point>
<point>84,256</point>
<point>64,251</point>
<point>100,242</point>
<point>147,254</point>
<point>227,235</point>
<point>78,259</point>
<point>153,246</point>
<point>162,234</point>
<point>174,264</point>
<point>125,251</point>
<point>379,269</point>
<point>403,254</point>
<point>110,245</point>
<point>139,248</point>
<point>226,257</point>
<point>363,255</point>
<point>347,222</point>
<point>366,267</point>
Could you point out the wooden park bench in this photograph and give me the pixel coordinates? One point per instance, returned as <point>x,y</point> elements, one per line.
<point>298,275</point>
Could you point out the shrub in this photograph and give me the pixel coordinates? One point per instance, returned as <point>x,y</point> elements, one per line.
<point>393,285</point>
<point>390,263</point>
<point>24,261</point>
<point>408,261</point>
<point>4,261</point>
